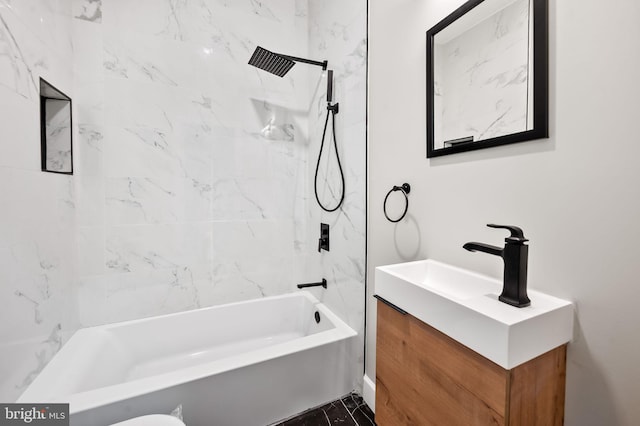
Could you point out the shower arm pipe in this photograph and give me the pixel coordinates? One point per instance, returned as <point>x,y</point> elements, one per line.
<point>322,64</point>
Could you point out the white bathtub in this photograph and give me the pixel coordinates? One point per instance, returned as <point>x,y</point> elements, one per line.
<point>245,364</point>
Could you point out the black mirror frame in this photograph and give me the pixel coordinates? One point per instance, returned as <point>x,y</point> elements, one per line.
<point>540,83</point>
<point>43,127</point>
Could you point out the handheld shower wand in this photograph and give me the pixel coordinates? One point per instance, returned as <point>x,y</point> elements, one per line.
<point>280,65</point>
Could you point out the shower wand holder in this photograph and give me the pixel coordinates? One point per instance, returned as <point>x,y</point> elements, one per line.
<point>335,108</point>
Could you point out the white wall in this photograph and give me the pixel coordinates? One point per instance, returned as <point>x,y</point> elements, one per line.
<point>37,210</point>
<point>576,194</point>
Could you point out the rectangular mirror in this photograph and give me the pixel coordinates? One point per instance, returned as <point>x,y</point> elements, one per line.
<point>55,130</point>
<point>487,76</point>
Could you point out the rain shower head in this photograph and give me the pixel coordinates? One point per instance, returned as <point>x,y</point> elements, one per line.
<point>278,64</point>
<point>271,62</point>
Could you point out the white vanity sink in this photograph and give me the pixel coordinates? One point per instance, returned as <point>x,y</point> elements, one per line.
<point>464,305</point>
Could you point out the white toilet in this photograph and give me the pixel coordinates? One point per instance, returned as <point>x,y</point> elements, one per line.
<point>152,420</point>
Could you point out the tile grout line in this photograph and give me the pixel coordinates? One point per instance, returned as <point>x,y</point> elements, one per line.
<point>364,413</point>
<point>350,415</point>
<point>326,417</point>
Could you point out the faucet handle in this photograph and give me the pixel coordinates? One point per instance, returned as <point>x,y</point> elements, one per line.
<point>517,235</point>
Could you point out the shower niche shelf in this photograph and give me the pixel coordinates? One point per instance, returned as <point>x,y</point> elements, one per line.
<point>56,136</point>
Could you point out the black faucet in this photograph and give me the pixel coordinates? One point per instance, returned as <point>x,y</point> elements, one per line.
<point>514,254</point>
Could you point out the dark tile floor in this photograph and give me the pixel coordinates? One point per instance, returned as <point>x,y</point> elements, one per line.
<point>350,410</point>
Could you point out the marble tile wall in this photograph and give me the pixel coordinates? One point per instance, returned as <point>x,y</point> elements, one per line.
<point>37,218</point>
<point>192,172</point>
<point>337,33</point>
<point>202,164</point>
<point>192,161</point>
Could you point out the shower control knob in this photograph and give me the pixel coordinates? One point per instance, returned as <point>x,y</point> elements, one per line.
<point>323,241</point>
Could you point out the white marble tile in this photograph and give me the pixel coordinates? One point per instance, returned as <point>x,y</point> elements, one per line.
<point>154,292</point>
<point>147,16</point>
<point>145,200</point>
<point>141,151</point>
<point>88,102</point>
<point>38,297</point>
<point>354,88</point>
<point>223,153</point>
<point>129,104</point>
<point>91,250</point>
<point>88,50</point>
<point>196,147</point>
<point>20,141</point>
<point>90,200</point>
<point>205,22</point>
<point>24,360</point>
<point>136,57</point>
<point>88,10</point>
<point>16,71</point>
<point>336,27</point>
<point>88,149</point>
<point>33,44</point>
<point>156,153</point>
<point>233,286</point>
<point>142,294</point>
<point>36,202</point>
<point>89,81</point>
<point>249,246</point>
<point>251,259</point>
<point>48,21</point>
<point>252,199</point>
<point>91,297</point>
<point>37,221</point>
<point>138,248</point>
<point>252,156</point>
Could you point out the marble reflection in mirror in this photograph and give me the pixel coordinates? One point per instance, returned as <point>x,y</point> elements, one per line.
<point>482,74</point>
<point>488,76</point>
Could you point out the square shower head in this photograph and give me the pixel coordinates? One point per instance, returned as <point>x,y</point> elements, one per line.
<point>271,62</point>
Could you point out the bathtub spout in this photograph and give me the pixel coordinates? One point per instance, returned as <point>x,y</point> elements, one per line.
<point>322,283</point>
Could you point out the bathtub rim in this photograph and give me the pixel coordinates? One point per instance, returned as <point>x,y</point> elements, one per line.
<point>94,398</point>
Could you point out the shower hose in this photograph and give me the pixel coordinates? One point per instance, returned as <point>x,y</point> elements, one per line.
<point>331,111</point>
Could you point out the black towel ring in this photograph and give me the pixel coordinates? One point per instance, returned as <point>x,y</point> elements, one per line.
<point>405,189</point>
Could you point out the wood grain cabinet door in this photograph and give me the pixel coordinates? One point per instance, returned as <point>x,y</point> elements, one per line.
<point>424,377</point>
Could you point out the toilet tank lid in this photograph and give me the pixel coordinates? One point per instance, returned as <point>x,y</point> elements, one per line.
<point>151,420</point>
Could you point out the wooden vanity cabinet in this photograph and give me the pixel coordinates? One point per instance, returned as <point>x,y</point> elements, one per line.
<point>424,377</point>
